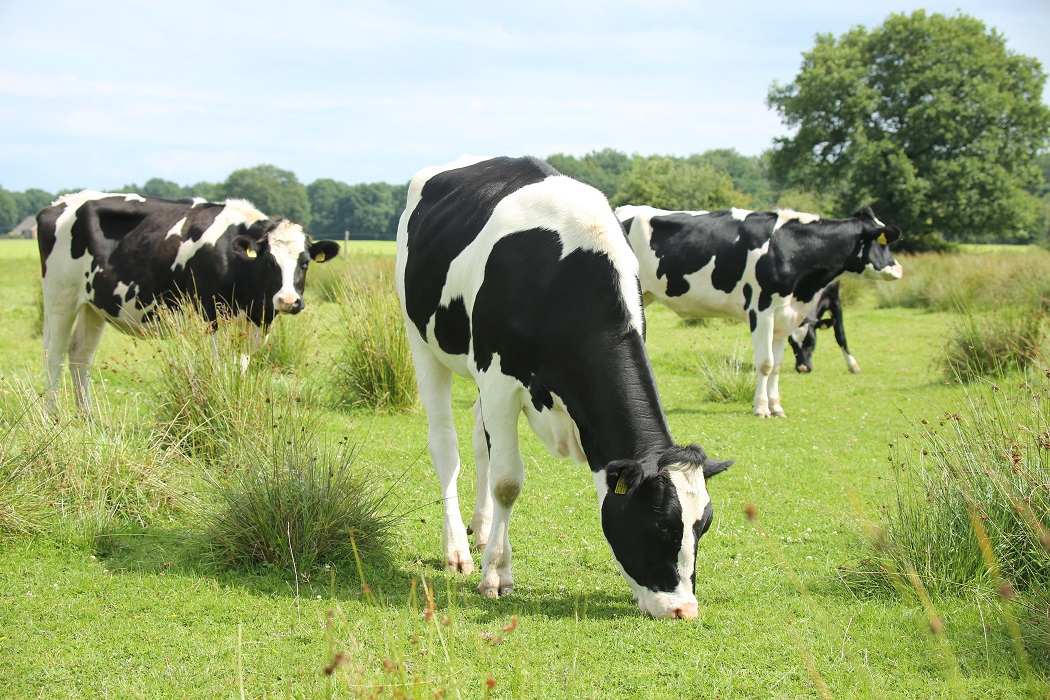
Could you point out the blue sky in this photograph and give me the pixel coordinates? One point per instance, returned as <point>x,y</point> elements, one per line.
<point>114,92</point>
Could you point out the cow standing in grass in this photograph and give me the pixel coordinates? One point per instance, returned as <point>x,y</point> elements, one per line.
<point>803,340</point>
<point>766,268</point>
<point>520,279</point>
<point>116,257</point>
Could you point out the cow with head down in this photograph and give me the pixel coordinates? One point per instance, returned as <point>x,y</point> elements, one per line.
<point>520,279</point>
<point>766,268</point>
<point>115,258</point>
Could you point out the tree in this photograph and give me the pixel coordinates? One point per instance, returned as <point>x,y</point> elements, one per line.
<point>677,183</point>
<point>750,173</point>
<point>603,170</point>
<point>274,191</point>
<point>928,118</point>
<point>328,204</point>
<point>31,201</point>
<point>8,211</point>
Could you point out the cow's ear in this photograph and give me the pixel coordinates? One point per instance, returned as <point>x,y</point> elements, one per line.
<point>713,467</point>
<point>245,247</point>
<point>623,477</point>
<point>321,251</point>
<point>888,235</point>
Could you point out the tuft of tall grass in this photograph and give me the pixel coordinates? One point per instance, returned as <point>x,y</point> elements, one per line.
<point>206,392</point>
<point>960,281</point>
<point>728,378</point>
<point>374,364</point>
<point>990,460</point>
<point>291,501</point>
<point>325,281</point>
<point>994,342</point>
<point>83,476</point>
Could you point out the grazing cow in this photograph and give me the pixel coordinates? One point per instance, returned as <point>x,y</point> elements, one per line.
<point>803,340</point>
<point>117,257</point>
<point>520,279</point>
<point>768,268</point>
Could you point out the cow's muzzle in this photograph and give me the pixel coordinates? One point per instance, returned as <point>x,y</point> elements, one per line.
<point>289,304</point>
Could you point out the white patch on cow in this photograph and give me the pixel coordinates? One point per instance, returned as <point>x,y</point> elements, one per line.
<point>287,243</point>
<point>556,429</point>
<point>786,215</point>
<point>235,211</point>
<point>176,230</point>
<point>799,334</point>
<point>739,214</point>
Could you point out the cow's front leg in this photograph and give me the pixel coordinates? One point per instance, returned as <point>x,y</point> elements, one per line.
<point>762,343</point>
<point>481,521</point>
<point>506,477</point>
<point>773,383</point>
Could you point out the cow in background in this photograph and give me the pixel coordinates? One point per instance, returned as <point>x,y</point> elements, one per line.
<point>115,258</point>
<point>766,268</point>
<point>803,340</point>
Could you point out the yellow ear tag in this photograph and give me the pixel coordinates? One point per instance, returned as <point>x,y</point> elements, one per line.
<point>621,485</point>
<point>882,239</point>
<point>319,257</point>
<point>250,252</point>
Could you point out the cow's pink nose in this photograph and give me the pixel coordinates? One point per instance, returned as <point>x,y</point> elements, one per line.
<point>289,302</point>
<point>687,611</point>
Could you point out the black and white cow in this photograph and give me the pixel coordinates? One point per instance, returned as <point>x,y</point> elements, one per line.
<point>520,279</point>
<point>768,268</point>
<point>803,340</point>
<point>117,257</point>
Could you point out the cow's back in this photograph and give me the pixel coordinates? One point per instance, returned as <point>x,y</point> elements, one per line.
<point>493,254</point>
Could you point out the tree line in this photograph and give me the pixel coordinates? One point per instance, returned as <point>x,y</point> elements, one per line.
<point>929,119</point>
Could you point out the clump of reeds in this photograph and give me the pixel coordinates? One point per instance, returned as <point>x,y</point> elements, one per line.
<point>994,342</point>
<point>289,500</point>
<point>374,365</point>
<point>728,378</point>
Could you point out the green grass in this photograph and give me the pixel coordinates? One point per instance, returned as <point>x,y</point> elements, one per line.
<point>148,619</point>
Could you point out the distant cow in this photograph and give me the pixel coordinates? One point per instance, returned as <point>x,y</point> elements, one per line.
<point>117,257</point>
<point>768,268</point>
<point>803,340</point>
<point>519,278</point>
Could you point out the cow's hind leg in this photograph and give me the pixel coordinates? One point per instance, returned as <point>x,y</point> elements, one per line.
<point>435,391</point>
<point>501,407</point>
<point>82,347</point>
<point>762,343</point>
<point>481,521</point>
<point>773,382</point>
<point>59,318</point>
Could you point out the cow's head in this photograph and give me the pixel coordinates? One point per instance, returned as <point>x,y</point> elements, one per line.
<point>278,253</point>
<point>871,257</point>
<point>803,341</point>
<point>653,520</point>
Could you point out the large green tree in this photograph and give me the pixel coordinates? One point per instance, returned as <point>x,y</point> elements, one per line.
<point>667,182</point>
<point>274,191</point>
<point>928,118</point>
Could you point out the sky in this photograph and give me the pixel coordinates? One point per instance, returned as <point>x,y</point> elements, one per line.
<point>115,92</point>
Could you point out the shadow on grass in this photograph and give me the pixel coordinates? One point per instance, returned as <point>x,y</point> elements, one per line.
<point>164,552</point>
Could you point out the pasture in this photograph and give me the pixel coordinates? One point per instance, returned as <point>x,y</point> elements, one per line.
<point>100,602</point>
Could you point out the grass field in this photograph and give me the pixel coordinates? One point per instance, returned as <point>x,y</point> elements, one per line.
<point>136,614</point>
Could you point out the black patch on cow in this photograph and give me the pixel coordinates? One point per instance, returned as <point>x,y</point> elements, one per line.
<point>452,327</point>
<point>626,224</point>
<point>453,208</point>
<point>747,296</point>
<point>559,325</point>
<point>46,222</point>
<point>752,319</point>
<point>644,526</point>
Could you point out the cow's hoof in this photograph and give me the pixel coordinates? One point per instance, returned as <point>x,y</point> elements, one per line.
<point>459,563</point>
<point>802,369</point>
<point>487,592</point>
<point>479,545</point>
<point>762,413</point>
<point>780,414</point>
